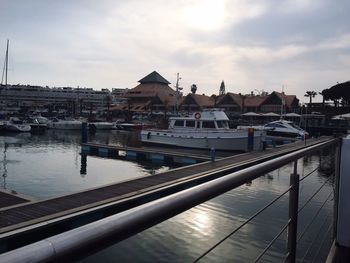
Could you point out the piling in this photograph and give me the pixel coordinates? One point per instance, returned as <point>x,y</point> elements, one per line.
<point>250,139</point>
<point>84,132</point>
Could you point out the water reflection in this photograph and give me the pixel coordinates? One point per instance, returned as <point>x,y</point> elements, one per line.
<point>50,164</point>
<point>188,235</point>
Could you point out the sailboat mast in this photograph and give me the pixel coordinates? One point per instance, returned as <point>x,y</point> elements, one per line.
<point>7,61</point>
<point>5,68</point>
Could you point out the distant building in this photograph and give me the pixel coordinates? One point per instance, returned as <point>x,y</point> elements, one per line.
<point>37,97</point>
<point>151,95</point>
<point>195,102</point>
<point>274,102</point>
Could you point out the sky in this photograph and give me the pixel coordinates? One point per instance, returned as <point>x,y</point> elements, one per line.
<point>253,45</point>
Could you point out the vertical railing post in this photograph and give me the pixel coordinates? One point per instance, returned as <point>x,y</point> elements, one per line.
<point>336,186</point>
<point>293,214</point>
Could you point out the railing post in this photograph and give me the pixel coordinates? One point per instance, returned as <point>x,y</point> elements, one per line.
<point>336,186</point>
<point>293,214</point>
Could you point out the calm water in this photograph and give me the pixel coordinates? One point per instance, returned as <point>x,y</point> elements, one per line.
<point>43,166</point>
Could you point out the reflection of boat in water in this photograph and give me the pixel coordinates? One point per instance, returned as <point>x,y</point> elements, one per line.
<point>203,130</point>
<point>15,125</point>
<point>64,124</point>
<point>280,129</point>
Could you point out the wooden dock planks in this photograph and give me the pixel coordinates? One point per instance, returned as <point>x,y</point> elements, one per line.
<point>27,214</point>
<point>9,199</point>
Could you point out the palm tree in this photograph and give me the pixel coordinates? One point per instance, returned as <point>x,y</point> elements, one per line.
<point>310,94</point>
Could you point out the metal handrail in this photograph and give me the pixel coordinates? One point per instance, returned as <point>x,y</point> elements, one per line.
<point>99,234</point>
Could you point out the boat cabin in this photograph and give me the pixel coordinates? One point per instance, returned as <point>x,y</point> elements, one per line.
<point>209,119</point>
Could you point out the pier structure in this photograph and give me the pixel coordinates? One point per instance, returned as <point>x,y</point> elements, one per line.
<point>145,203</point>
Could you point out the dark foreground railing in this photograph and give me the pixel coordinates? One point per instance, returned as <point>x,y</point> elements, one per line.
<point>82,241</point>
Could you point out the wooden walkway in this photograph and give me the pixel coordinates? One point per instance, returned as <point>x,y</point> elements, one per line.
<point>42,211</point>
<point>9,199</point>
<point>145,150</point>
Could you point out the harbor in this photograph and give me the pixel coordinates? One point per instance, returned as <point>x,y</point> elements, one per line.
<point>192,131</point>
<point>82,210</point>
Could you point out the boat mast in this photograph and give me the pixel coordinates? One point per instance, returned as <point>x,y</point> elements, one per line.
<point>6,63</point>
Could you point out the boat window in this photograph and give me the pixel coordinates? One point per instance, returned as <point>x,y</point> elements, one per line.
<point>179,123</point>
<point>190,124</point>
<point>275,125</point>
<point>222,124</point>
<point>208,124</point>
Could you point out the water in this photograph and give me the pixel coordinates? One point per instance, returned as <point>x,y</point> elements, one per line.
<point>49,165</point>
<point>44,166</point>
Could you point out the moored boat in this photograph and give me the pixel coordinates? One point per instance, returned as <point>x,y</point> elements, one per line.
<point>15,125</point>
<point>280,129</point>
<point>203,130</point>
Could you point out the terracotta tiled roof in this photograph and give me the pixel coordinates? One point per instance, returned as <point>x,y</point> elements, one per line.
<point>201,100</point>
<point>254,101</point>
<point>235,97</point>
<point>289,99</point>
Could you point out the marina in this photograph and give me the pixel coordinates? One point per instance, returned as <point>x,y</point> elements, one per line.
<point>244,171</point>
<point>81,210</point>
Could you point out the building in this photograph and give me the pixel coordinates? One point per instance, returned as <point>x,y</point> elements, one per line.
<point>153,94</point>
<point>275,102</point>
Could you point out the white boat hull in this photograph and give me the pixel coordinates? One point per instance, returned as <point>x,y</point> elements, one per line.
<point>228,141</point>
<point>17,127</point>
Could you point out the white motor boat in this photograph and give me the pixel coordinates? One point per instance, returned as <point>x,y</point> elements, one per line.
<point>203,130</point>
<point>64,124</point>
<point>280,129</point>
<point>15,125</point>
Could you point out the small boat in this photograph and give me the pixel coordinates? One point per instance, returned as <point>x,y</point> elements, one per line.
<point>37,124</point>
<point>203,130</point>
<point>130,126</point>
<point>64,124</point>
<point>280,129</point>
<point>15,125</point>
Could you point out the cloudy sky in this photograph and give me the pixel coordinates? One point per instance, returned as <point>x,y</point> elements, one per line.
<point>252,45</point>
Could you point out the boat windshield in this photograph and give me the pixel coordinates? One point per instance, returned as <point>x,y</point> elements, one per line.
<point>295,126</point>
<point>222,124</point>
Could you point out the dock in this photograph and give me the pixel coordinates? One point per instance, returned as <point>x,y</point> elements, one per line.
<point>8,199</point>
<point>154,154</point>
<point>31,220</point>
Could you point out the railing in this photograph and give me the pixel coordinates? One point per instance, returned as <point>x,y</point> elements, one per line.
<point>97,235</point>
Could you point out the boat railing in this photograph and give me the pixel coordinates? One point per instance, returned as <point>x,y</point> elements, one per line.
<point>121,226</point>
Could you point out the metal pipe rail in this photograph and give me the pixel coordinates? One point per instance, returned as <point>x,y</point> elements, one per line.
<point>90,238</point>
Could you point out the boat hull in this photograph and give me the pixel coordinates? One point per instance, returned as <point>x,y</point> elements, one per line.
<point>230,141</point>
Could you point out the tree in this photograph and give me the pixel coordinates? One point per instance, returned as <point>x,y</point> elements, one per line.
<point>222,89</point>
<point>310,94</point>
<point>340,91</point>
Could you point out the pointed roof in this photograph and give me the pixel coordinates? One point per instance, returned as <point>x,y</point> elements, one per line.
<point>154,77</point>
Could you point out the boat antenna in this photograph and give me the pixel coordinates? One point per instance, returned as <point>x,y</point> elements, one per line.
<point>6,63</point>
